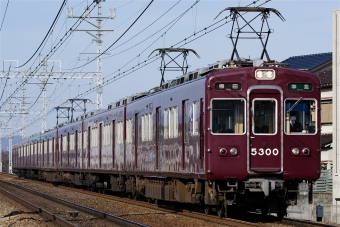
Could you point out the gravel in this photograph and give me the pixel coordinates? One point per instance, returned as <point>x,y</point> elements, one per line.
<point>15,215</point>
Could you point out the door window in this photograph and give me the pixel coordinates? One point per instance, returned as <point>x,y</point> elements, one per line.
<point>264,116</point>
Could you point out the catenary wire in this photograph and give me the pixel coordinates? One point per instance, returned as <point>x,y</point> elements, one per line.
<point>157,58</point>
<point>121,34</point>
<point>47,34</point>
<point>46,58</point>
<point>3,19</point>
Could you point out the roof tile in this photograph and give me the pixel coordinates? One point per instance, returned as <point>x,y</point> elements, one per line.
<point>326,139</point>
<point>325,77</point>
<point>308,62</point>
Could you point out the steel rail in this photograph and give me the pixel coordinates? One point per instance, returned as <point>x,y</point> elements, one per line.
<point>34,208</point>
<point>100,214</point>
<point>185,213</point>
<point>288,221</point>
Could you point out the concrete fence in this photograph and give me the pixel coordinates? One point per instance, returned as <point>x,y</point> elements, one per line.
<point>305,211</point>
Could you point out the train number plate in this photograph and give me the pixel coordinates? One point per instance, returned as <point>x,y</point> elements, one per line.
<point>264,151</point>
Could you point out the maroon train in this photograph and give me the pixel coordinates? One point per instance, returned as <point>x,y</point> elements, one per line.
<point>222,137</point>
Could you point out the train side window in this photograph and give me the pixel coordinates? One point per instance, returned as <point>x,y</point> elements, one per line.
<point>166,123</point>
<point>79,140</point>
<point>187,120</point>
<point>174,115</point>
<point>264,116</point>
<point>31,148</point>
<point>94,137</point>
<point>106,134</point>
<point>120,132</point>
<point>228,116</point>
<point>173,122</point>
<point>64,152</point>
<point>196,112</point>
<point>150,126</point>
<point>300,116</point>
<point>170,122</point>
<point>72,139</point>
<point>129,130</point>
<point>65,143</point>
<point>85,140</point>
<point>45,153</point>
<point>50,149</point>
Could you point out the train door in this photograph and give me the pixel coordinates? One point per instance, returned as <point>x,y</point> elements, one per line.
<point>265,130</point>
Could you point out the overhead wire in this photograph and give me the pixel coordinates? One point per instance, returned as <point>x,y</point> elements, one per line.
<point>3,19</point>
<point>133,69</point>
<point>68,34</point>
<point>121,34</point>
<point>55,49</point>
<point>109,81</point>
<point>47,34</point>
<point>3,89</point>
<point>42,89</point>
<point>172,23</point>
<point>143,31</point>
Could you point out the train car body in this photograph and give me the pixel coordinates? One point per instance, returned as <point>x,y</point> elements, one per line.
<point>221,136</point>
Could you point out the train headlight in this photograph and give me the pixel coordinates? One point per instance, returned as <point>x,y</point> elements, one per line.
<point>305,151</point>
<point>269,74</point>
<point>223,151</point>
<point>259,74</point>
<point>233,151</point>
<point>295,151</point>
<point>265,74</point>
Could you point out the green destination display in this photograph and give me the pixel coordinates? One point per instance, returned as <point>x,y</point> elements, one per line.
<point>300,87</point>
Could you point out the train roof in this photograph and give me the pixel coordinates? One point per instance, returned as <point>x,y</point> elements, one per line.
<point>198,73</point>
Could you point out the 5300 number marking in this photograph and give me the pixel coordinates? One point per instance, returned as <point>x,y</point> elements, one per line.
<point>262,152</point>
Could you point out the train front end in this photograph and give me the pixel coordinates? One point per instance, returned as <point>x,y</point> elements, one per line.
<point>262,139</point>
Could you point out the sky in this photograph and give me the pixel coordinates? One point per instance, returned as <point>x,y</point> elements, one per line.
<point>307,29</point>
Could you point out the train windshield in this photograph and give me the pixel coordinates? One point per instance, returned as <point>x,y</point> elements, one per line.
<point>228,116</point>
<point>300,116</point>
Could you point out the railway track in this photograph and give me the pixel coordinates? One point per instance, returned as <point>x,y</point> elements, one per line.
<point>167,209</point>
<point>62,212</point>
<point>187,213</point>
<point>157,208</point>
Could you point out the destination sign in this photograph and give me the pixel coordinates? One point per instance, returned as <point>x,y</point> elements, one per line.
<point>300,87</point>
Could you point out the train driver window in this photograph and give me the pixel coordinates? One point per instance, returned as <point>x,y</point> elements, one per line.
<point>264,116</point>
<point>300,116</point>
<point>228,116</point>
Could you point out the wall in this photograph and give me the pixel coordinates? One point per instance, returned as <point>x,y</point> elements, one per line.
<point>307,211</point>
<point>336,104</point>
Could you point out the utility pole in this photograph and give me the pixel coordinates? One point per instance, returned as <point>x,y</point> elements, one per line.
<point>98,40</point>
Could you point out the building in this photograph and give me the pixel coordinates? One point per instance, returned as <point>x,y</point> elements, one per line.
<point>321,65</point>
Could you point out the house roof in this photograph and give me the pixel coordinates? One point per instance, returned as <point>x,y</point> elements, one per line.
<point>325,78</point>
<point>308,62</point>
<point>326,139</point>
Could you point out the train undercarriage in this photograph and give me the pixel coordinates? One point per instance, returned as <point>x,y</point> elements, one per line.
<point>221,197</point>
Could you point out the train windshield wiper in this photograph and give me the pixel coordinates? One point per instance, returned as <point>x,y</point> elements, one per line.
<point>297,102</point>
